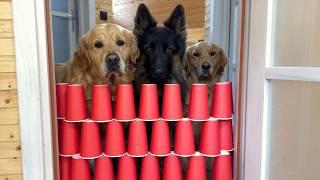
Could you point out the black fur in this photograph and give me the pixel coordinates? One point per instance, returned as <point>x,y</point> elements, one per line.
<point>161,50</point>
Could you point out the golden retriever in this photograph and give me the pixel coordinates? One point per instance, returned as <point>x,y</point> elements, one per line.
<point>106,54</point>
<point>204,63</point>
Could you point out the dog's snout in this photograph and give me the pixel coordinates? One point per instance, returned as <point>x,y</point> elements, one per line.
<point>112,58</point>
<point>205,66</point>
<point>159,72</point>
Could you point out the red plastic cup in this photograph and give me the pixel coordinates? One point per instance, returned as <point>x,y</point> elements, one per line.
<point>226,135</point>
<point>198,109</point>
<point>172,168</point>
<point>69,138</point>
<point>149,106</point>
<point>196,168</point>
<point>103,169</point>
<point>101,103</point>
<point>172,105</point>
<point>150,168</point>
<point>90,144</point>
<point>222,100</point>
<point>127,168</point>
<point>115,141</point>
<point>222,168</point>
<point>125,107</point>
<point>210,138</point>
<point>65,168</point>
<point>61,94</point>
<point>137,141</point>
<point>80,169</point>
<point>76,103</point>
<point>160,139</point>
<point>184,139</point>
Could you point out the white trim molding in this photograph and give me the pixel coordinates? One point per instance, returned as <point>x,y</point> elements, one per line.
<point>33,89</point>
<point>293,73</point>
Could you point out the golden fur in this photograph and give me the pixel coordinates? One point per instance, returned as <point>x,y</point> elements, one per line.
<point>88,65</point>
<point>203,52</point>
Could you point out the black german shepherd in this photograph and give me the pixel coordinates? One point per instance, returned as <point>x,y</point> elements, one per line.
<point>161,50</point>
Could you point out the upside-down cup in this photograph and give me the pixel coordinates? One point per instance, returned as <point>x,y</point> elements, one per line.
<point>160,139</point>
<point>226,143</point>
<point>172,168</point>
<point>64,168</point>
<point>137,141</point>
<point>127,168</point>
<point>103,169</point>
<point>90,143</point>
<point>198,109</point>
<point>101,103</point>
<point>222,167</point>
<point>125,107</point>
<point>80,169</point>
<point>69,139</point>
<point>76,103</point>
<point>172,105</point>
<point>149,106</point>
<point>222,100</point>
<point>150,168</point>
<point>196,168</point>
<point>184,139</point>
<point>61,94</point>
<point>210,139</point>
<point>115,141</point>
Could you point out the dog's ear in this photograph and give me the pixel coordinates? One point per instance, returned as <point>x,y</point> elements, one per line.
<point>81,55</point>
<point>143,20</point>
<point>134,50</point>
<point>177,21</point>
<point>223,61</point>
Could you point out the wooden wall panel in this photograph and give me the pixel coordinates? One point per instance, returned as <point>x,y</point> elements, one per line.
<point>8,81</point>
<point>11,177</point>
<point>103,5</point>
<point>10,150</point>
<point>9,116</point>
<point>9,133</point>
<point>10,166</point>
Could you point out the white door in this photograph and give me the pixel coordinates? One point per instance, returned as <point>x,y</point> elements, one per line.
<point>282,116</point>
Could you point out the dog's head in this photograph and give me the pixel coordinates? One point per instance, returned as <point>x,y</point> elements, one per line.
<point>206,60</point>
<point>107,50</point>
<point>160,47</point>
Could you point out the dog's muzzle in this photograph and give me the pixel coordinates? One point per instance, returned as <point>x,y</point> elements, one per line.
<point>205,67</point>
<point>112,61</point>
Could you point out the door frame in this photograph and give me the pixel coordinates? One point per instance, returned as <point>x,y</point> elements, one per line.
<point>35,89</point>
<point>258,73</point>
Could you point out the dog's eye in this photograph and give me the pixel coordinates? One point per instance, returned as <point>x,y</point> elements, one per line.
<point>196,54</point>
<point>98,44</point>
<point>170,50</point>
<point>148,48</point>
<point>120,42</point>
<point>212,53</point>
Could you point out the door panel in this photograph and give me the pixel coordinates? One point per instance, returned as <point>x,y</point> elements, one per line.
<point>293,135</point>
<point>296,37</point>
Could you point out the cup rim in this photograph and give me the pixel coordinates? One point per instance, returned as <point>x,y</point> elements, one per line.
<point>75,84</point>
<point>62,83</point>
<point>223,83</point>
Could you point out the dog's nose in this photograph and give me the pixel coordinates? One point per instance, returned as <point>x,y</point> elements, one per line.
<point>205,66</point>
<point>159,72</point>
<point>112,58</point>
